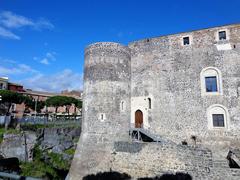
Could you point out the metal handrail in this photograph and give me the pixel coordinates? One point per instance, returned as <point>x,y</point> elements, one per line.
<point>17,177</point>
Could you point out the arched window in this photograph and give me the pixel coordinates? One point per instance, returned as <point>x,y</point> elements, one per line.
<point>218,116</point>
<point>211,81</point>
<point>149,103</point>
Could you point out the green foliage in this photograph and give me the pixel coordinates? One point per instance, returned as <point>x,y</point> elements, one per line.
<point>58,162</point>
<point>70,151</point>
<point>40,168</point>
<point>78,104</point>
<point>58,101</point>
<point>12,97</point>
<point>35,127</point>
<point>31,103</point>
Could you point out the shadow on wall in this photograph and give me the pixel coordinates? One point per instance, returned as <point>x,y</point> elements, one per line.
<point>177,176</point>
<point>112,175</point>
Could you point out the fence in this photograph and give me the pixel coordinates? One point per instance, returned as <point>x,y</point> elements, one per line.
<point>50,120</point>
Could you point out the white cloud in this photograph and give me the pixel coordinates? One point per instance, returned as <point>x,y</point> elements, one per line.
<point>8,34</point>
<point>49,57</point>
<point>16,69</point>
<point>36,80</point>
<point>66,79</point>
<point>44,61</point>
<point>11,20</point>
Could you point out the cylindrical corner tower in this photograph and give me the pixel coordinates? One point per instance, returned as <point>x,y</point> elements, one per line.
<point>106,107</point>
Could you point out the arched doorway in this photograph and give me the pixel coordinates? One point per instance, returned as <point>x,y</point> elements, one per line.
<point>138,119</point>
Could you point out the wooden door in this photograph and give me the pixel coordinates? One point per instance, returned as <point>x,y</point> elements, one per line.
<point>138,119</point>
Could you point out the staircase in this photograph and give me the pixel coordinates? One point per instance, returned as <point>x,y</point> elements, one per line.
<point>145,135</point>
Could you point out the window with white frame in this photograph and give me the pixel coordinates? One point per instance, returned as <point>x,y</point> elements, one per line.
<point>186,41</point>
<point>211,81</point>
<point>222,35</point>
<point>218,116</point>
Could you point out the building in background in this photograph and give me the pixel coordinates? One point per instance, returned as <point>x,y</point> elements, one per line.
<point>19,110</point>
<point>3,83</point>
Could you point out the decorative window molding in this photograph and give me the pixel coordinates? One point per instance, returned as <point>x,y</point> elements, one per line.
<point>211,75</point>
<point>214,111</point>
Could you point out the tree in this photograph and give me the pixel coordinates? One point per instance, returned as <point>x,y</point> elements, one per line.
<point>58,101</point>
<point>9,98</point>
<point>78,104</point>
<point>31,103</point>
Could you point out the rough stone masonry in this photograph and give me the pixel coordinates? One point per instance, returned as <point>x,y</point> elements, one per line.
<point>181,91</point>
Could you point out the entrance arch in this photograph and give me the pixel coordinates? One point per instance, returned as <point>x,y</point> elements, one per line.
<point>138,119</point>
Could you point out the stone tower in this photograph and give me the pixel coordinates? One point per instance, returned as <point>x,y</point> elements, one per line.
<point>106,106</point>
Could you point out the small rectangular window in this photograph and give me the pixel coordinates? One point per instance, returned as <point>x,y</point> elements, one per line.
<point>186,41</point>
<point>222,35</point>
<point>218,120</point>
<point>211,84</point>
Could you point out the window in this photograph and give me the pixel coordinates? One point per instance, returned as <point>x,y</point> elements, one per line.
<point>222,35</point>
<point>102,117</point>
<point>1,85</point>
<point>211,84</point>
<point>186,41</point>
<point>122,106</point>
<point>149,103</point>
<point>211,81</point>
<point>218,120</point>
<point>218,117</point>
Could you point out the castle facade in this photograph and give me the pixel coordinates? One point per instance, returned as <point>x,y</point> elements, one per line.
<point>163,105</point>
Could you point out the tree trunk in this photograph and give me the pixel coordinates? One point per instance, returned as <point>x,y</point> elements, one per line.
<point>7,114</point>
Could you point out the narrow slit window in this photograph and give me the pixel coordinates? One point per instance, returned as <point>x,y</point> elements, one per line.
<point>101,116</point>
<point>218,120</point>
<point>186,41</point>
<point>222,35</point>
<point>211,84</point>
<point>122,105</point>
<point>149,103</point>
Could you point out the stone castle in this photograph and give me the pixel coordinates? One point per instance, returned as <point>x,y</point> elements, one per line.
<point>163,105</point>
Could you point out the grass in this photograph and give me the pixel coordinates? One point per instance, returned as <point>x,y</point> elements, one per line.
<point>35,127</point>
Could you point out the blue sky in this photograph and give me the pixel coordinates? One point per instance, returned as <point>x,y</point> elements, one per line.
<point>42,42</point>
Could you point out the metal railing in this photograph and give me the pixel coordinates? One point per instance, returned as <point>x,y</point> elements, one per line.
<point>15,177</point>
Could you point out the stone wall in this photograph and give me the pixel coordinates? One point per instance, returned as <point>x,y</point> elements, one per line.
<point>168,72</point>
